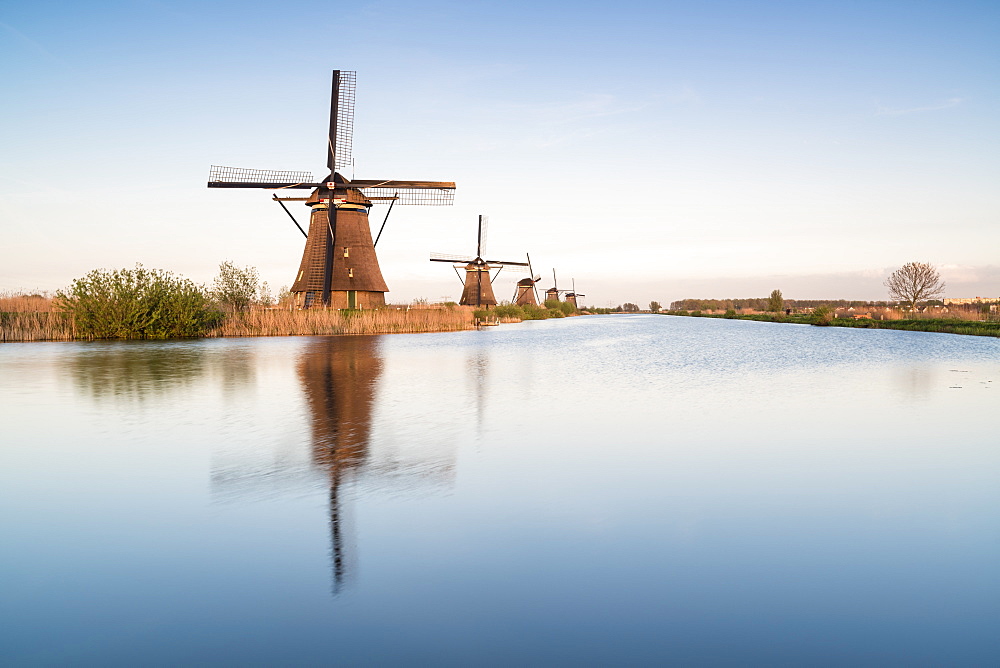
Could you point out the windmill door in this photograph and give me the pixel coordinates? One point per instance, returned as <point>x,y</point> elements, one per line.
<point>352,299</point>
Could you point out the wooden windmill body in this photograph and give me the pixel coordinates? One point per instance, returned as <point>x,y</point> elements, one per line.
<point>478,285</point>
<point>339,267</point>
<point>527,292</point>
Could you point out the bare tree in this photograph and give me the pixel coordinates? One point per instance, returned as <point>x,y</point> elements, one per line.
<point>913,282</point>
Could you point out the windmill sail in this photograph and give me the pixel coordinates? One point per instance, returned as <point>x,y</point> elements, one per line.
<point>238,177</point>
<point>341,135</point>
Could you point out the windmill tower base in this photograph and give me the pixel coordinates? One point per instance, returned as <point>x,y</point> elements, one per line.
<point>339,250</point>
<point>478,287</point>
<point>349,299</point>
<point>525,293</point>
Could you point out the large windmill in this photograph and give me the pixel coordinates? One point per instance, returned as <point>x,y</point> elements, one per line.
<point>339,268</point>
<point>478,289</point>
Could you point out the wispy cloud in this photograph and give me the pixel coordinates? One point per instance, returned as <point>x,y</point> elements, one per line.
<point>891,111</point>
<point>686,95</point>
<point>28,43</point>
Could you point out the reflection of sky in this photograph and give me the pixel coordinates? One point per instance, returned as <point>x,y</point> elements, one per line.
<point>739,146</point>
<point>620,488</point>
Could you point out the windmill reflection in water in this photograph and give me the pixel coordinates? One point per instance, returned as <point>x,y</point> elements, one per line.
<point>338,377</point>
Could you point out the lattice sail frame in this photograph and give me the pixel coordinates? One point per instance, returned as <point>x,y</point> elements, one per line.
<point>416,196</point>
<point>220,174</point>
<point>451,257</point>
<point>345,120</point>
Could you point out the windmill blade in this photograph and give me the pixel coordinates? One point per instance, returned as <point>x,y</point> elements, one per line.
<point>238,177</point>
<point>341,135</point>
<point>484,222</point>
<point>519,264</point>
<point>448,257</point>
<point>534,281</point>
<point>427,193</point>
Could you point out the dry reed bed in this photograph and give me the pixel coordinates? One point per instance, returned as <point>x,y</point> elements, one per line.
<point>37,318</point>
<point>11,302</point>
<point>36,326</point>
<point>274,322</point>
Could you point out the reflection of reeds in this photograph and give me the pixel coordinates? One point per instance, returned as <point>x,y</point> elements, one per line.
<point>274,322</point>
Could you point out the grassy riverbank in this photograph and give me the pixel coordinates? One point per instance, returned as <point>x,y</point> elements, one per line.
<point>39,318</point>
<point>938,325</point>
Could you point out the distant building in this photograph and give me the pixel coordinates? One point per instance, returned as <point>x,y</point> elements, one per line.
<point>971,300</point>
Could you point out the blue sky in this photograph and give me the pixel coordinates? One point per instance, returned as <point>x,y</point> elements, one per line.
<point>649,150</point>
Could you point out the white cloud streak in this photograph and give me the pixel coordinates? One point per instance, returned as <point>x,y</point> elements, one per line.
<point>890,111</point>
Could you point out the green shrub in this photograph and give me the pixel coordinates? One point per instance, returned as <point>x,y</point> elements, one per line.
<point>567,308</point>
<point>730,313</point>
<point>822,316</point>
<point>508,311</point>
<point>552,303</point>
<point>237,289</point>
<point>138,303</point>
<point>533,312</point>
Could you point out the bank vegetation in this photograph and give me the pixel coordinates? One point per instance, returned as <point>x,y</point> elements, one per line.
<point>142,303</point>
<point>970,319</point>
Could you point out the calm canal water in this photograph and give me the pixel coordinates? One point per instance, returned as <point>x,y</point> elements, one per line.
<point>606,490</point>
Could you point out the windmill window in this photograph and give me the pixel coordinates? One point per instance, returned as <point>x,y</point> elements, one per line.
<point>347,252</point>
<point>350,273</point>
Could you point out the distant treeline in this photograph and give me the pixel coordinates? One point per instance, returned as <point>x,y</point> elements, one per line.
<point>761,304</point>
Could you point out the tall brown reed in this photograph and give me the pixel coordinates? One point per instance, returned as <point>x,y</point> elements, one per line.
<point>17,302</point>
<point>32,318</point>
<point>275,322</point>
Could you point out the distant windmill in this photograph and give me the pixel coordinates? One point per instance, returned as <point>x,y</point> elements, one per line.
<point>339,267</point>
<point>527,292</point>
<point>478,289</point>
<point>552,294</point>
<point>571,296</point>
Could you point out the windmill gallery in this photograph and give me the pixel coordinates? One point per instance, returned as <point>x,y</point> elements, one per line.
<point>339,267</point>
